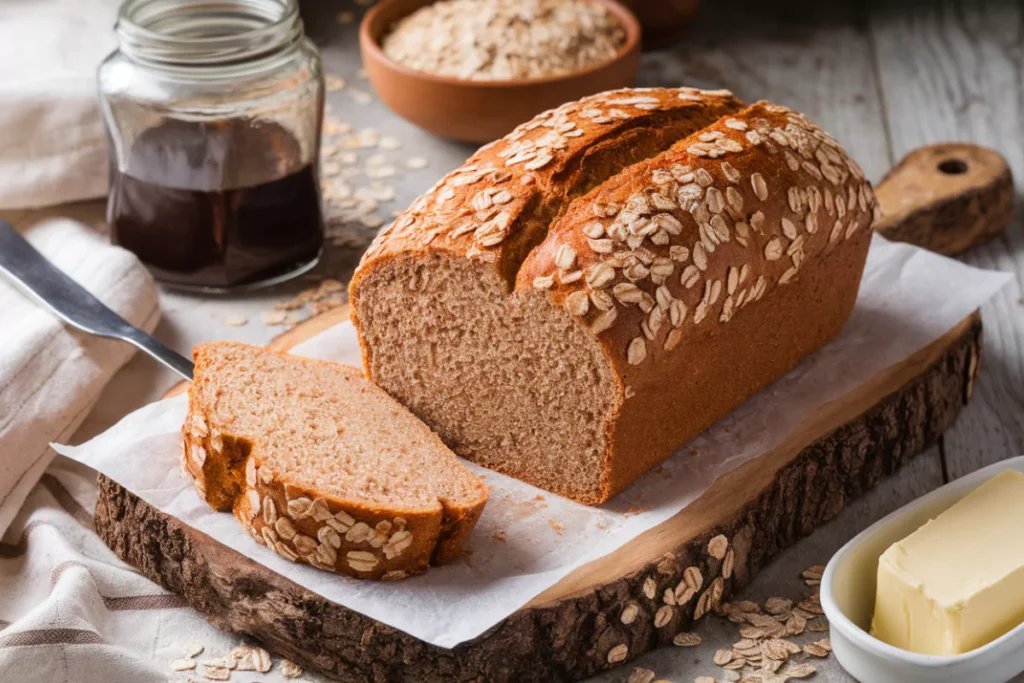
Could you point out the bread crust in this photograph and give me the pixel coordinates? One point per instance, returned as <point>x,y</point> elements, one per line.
<point>332,534</point>
<point>681,265</point>
<point>492,208</point>
<point>777,214</point>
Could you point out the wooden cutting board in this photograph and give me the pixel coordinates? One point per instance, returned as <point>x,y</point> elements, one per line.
<point>624,604</point>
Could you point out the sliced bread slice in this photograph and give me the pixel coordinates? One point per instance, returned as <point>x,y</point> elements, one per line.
<point>322,466</point>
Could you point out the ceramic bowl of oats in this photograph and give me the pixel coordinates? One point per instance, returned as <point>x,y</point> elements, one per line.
<point>472,70</point>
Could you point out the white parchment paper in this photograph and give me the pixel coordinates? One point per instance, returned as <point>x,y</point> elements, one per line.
<point>528,539</point>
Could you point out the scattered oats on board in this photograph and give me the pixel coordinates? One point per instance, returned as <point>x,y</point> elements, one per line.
<point>275,317</point>
<point>641,675</point>
<point>778,605</point>
<point>193,650</point>
<point>378,172</point>
<point>333,82</point>
<point>361,96</point>
<point>222,661</point>
<point>252,659</point>
<point>811,605</point>
<point>778,648</point>
<point>818,624</point>
<point>629,613</point>
<point>717,547</point>
<point>618,653</point>
<point>235,320</point>
<point>812,576</point>
<point>802,670</point>
<point>183,664</point>
<point>216,673</point>
<point>294,317</point>
<point>334,126</point>
<point>416,163</point>
<point>290,669</point>
<point>764,655</point>
<point>818,649</point>
<point>381,192</point>
<point>684,639</point>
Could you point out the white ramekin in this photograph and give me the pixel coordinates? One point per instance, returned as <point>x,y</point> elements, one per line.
<point>848,599</point>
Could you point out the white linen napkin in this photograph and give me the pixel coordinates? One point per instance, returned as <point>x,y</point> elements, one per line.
<point>50,375</point>
<point>52,144</point>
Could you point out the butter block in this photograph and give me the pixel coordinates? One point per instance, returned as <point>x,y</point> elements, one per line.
<point>956,583</point>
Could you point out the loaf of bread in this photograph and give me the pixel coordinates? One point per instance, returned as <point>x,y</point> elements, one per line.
<point>323,467</point>
<point>597,288</point>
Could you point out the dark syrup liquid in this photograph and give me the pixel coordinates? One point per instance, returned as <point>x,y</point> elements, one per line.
<point>212,205</point>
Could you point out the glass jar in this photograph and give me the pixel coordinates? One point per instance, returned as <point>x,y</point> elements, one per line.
<point>213,111</point>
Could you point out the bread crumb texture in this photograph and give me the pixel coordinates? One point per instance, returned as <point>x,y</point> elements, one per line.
<point>322,466</point>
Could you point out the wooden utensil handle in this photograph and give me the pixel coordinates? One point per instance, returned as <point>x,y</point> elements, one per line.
<point>946,197</point>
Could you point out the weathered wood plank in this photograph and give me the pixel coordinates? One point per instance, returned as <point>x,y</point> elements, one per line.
<point>782,579</point>
<point>952,71</point>
<point>584,632</point>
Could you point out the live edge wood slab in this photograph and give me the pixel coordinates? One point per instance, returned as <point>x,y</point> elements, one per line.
<point>615,608</point>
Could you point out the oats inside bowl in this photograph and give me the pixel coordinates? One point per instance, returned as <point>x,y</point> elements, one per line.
<point>489,40</point>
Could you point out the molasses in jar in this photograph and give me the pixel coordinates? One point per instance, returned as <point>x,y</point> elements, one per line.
<point>213,110</point>
<point>217,204</point>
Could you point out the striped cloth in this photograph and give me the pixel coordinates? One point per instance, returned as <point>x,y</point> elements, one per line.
<point>71,612</point>
<point>50,375</point>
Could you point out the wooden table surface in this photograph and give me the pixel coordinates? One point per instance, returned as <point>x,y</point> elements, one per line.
<point>883,77</point>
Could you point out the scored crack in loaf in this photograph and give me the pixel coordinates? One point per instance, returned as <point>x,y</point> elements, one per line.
<point>323,467</point>
<point>498,205</point>
<point>627,289</point>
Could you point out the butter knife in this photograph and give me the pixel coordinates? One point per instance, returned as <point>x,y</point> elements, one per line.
<point>31,273</point>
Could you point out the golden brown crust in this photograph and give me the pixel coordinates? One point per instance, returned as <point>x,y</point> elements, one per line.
<point>690,237</point>
<point>658,260</point>
<point>490,207</point>
<point>674,247</point>
<point>786,329</point>
<point>342,536</point>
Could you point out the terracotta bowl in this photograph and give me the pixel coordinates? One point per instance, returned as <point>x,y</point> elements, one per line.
<point>481,111</point>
